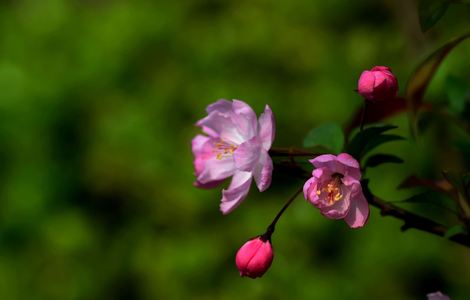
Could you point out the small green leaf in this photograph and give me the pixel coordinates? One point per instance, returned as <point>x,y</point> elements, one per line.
<point>329,136</point>
<point>370,138</point>
<point>379,159</point>
<point>381,139</point>
<point>454,230</point>
<point>430,11</point>
<point>457,91</point>
<point>421,77</point>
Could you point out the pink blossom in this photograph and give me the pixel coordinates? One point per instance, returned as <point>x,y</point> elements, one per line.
<point>378,84</point>
<point>437,296</point>
<point>335,189</point>
<point>236,144</point>
<point>254,258</point>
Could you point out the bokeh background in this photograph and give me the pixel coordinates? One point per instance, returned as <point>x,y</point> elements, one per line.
<point>98,100</point>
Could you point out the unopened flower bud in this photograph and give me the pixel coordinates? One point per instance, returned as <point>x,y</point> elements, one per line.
<point>255,257</point>
<point>378,84</point>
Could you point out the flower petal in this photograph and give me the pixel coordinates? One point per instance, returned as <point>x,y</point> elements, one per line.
<point>267,127</point>
<point>263,171</point>
<point>220,125</point>
<point>359,212</point>
<point>236,192</point>
<point>216,169</point>
<point>200,155</point>
<point>244,118</point>
<point>247,155</point>
<point>222,106</point>
<point>344,164</point>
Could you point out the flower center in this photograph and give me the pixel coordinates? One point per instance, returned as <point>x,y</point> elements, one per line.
<point>332,190</point>
<point>223,149</point>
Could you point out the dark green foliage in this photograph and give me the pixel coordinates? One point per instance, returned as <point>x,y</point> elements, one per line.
<point>370,138</point>
<point>329,136</point>
<point>378,159</point>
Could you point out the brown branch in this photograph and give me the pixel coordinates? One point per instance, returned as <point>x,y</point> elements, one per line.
<point>291,151</point>
<point>415,221</point>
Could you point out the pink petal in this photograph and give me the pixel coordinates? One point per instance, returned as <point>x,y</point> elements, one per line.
<point>344,164</point>
<point>352,167</point>
<point>216,169</point>
<point>247,155</point>
<point>366,84</point>
<point>359,211</point>
<point>244,118</point>
<point>263,171</point>
<point>220,126</point>
<point>222,106</point>
<point>267,128</point>
<point>198,151</point>
<point>236,192</point>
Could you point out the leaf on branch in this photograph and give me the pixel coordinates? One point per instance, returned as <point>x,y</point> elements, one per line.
<point>454,230</point>
<point>370,138</point>
<point>328,135</point>
<point>420,79</point>
<point>430,11</point>
<point>378,159</point>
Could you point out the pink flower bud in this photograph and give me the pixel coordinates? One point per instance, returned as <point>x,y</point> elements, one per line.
<point>378,84</point>
<point>255,257</point>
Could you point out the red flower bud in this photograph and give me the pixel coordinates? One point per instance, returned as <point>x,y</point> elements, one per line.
<point>255,257</point>
<point>378,84</point>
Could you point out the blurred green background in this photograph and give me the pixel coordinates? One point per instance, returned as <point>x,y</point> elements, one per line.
<point>98,100</point>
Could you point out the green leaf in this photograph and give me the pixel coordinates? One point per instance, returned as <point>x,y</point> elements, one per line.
<point>430,11</point>
<point>328,135</point>
<point>421,77</point>
<point>381,139</point>
<point>370,138</point>
<point>457,91</point>
<point>454,230</point>
<point>379,159</point>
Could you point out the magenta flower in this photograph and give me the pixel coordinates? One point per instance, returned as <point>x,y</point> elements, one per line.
<point>437,296</point>
<point>335,189</point>
<point>237,145</point>
<point>378,84</point>
<point>254,258</point>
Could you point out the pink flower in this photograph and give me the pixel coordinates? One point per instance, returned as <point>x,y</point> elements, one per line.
<point>437,296</point>
<point>378,84</point>
<point>236,144</point>
<point>255,257</point>
<point>335,189</point>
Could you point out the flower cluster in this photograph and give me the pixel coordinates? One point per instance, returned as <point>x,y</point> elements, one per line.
<point>236,144</point>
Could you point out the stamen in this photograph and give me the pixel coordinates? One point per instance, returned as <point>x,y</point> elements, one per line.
<point>332,190</point>
<point>223,149</point>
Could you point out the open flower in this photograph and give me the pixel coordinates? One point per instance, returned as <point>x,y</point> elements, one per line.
<point>236,144</point>
<point>255,257</point>
<point>335,189</point>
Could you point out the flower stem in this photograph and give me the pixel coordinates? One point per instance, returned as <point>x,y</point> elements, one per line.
<point>363,115</point>
<point>271,227</point>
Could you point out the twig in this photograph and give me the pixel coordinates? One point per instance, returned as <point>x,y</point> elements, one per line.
<point>411,220</point>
